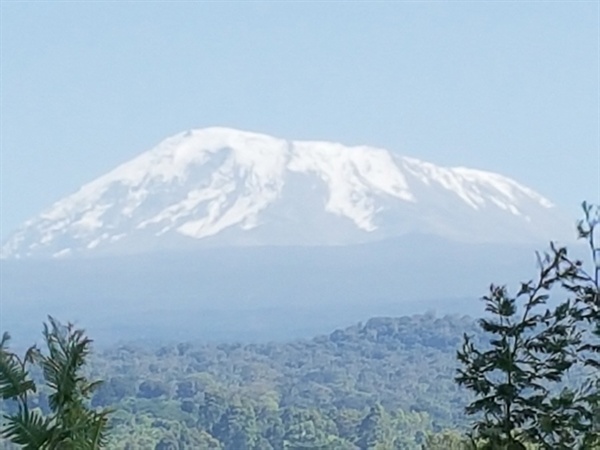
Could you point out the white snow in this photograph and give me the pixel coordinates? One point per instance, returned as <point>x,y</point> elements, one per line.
<point>201,182</point>
<point>90,220</point>
<point>353,176</point>
<point>62,253</point>
<point>260,159</point>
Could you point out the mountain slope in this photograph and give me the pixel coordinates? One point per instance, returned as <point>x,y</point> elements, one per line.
<point>219,186</point>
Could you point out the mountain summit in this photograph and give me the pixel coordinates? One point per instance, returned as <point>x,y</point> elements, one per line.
<point>225,187</point>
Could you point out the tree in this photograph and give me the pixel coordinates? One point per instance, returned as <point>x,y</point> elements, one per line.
<point>374,430</point>
<point>71,423</point>
<point>447,440</point>
<point>306,429</point>
<point>237,429</point>
<point>519,379</point>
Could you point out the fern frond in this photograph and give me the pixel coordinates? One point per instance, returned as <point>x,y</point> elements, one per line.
<point>27,428</point>
<point>4,341</point>
<point>97,432</point>
<point>14,381</point>
<point>73,425</point>
<point>68,350</point>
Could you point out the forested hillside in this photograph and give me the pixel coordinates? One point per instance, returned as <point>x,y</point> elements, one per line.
<point>388,382</point>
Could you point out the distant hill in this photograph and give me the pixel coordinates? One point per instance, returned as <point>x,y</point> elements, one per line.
<point>387,380</point>
<point>257,293</point>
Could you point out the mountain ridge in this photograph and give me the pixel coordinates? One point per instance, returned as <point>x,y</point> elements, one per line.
<point>219,187</point>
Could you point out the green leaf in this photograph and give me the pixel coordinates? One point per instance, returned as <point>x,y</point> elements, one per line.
<point>14,380</point>
<point>27,428</point>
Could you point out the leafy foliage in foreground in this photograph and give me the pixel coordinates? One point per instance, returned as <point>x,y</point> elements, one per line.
<point>68,422</point>
<point>519,382</point>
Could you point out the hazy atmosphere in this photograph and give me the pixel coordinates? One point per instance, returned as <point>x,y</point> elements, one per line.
<point>510,87</point>
<point>289,225</point>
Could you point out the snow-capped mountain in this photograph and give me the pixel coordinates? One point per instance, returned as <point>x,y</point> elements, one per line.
<point>220,186</point>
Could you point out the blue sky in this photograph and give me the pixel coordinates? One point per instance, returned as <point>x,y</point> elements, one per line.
<point>511,87</point>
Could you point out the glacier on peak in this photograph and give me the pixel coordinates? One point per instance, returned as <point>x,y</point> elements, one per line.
<point>221,186</point>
